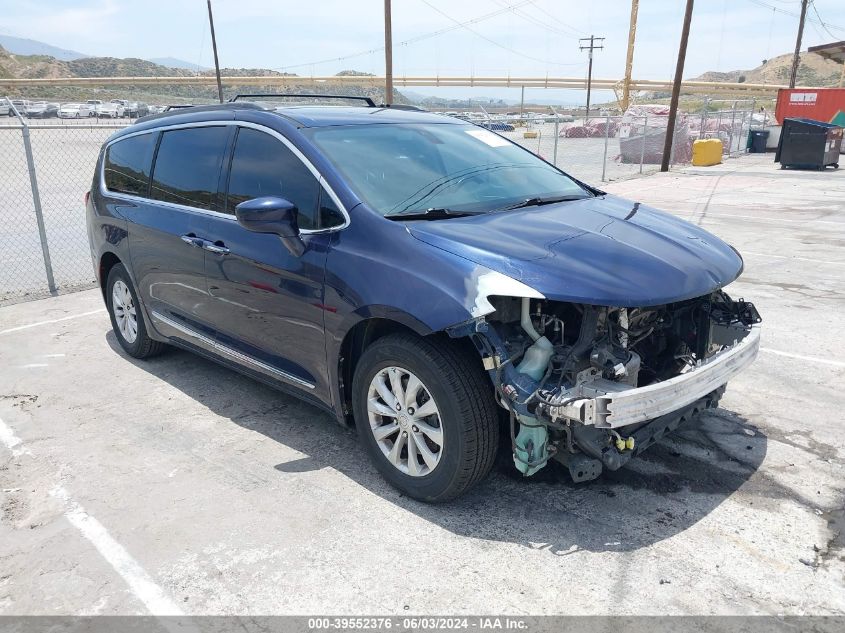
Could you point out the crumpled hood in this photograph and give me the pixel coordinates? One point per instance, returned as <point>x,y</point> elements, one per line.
<point>602,251</point>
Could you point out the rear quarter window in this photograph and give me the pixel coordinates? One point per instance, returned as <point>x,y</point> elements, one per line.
<point>127,163</point>
<point>187,166</point>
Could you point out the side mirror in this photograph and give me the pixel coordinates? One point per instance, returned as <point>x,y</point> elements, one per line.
<point>270,214</point>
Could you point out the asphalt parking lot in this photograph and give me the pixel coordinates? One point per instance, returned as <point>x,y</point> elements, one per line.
<point>177,486</point>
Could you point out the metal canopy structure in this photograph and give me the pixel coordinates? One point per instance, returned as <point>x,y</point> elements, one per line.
<point>834,52</point>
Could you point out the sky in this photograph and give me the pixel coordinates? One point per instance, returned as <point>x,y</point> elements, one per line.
<point>503,37</point>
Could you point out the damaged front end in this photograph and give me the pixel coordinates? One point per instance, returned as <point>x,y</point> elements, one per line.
<point>593,386</point>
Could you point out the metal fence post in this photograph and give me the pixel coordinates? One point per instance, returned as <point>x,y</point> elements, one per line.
<point>719,130</point>
<point>704,117</point>
<point>36,199</point>
<point>606,135</point>
<point>642,144</point>
<point>557,132</point>
<point>733,123</point>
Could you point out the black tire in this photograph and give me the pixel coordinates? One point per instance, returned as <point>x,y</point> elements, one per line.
<point>464,398</point>
<point>143,346</point>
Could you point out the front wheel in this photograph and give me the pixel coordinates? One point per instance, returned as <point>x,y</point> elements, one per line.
<point>425,412</point>
<point>127,318</point>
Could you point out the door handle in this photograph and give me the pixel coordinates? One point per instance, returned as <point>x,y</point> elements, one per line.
<point>218,249</point>
<point>192,240</point>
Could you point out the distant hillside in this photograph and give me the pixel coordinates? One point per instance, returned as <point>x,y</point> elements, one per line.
<point>117,67</point>
<point>813,70</point>
<point>45,66</point>
<point>23,46</point>
<point>174,62</point>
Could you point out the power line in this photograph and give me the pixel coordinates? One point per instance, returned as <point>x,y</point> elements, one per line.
<point>537,22</point>
<point>412,40</point>
<point>824,26</point>
<point>796,15</point>
<point>494,42</point>
<point>556,19</point>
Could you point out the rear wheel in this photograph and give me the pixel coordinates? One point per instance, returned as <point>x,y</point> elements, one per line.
<point>127,319</point>
<point>425,412</point>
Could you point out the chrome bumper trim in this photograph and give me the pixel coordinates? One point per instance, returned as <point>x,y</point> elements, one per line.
<point>608,404</point>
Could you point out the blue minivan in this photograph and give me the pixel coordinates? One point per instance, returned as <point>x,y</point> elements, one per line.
<point>420,277</point>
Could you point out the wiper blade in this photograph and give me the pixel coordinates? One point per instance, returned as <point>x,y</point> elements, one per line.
<point>429,214</point>
<point>538,202</point>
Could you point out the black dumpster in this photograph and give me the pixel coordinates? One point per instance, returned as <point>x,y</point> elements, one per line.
<point>757,140</point>
<point>808,144</point>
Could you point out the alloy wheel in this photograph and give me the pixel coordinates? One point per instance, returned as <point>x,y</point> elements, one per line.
<point>123,308</point>
<point>405,421</point>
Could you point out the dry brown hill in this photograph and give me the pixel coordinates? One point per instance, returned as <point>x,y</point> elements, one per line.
<point>813,70</point>
<point>44,66</point>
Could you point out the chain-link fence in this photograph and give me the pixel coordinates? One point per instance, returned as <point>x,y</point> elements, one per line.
<point>45,170</point>
<point>47,166</point>
<point>606,147</point>
<point>595,149</point>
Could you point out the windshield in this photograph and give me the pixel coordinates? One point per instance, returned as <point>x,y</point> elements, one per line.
<point>412,168</point>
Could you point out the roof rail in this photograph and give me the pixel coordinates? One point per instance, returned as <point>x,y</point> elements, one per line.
<point>370,102</point>
<point>403,106</point>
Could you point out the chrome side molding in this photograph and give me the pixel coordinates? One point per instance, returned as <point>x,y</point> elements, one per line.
<point>228,351</point>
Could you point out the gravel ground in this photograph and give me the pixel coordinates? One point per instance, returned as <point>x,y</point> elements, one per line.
<point>177,486</point>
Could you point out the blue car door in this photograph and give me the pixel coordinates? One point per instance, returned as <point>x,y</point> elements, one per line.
<point>268,302</point>
<point>165,228</point>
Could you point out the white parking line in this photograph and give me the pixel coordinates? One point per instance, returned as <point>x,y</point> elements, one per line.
<point>136,577</point>
<point>67,318</point>
<point>11,441</point>
<point>765,219</point>
<point>811,359</point>
<point>803,259</point>
<point>142,586</point>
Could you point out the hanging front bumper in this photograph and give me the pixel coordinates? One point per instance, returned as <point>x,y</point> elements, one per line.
<point>607,404</point>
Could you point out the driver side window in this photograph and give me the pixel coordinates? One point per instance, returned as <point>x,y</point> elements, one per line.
<point>263,166</point>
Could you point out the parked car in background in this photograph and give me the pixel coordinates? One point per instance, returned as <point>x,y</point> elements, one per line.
<point>5,108</point>
<point>74,110</point>
<point>110,110</point>
<point>136,109</point>
<point>20,105</point>
<point>94,105</point>
<point>498,126</point>
<point>124,104</point>
<point>41,110</point>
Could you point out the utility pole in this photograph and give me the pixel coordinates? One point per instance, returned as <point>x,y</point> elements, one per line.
<point>629,59</point>
<point>388,54</point>
<point>590,47</point>
<point>793,75</point>
<point>676,89</point>
<point>214,46</point>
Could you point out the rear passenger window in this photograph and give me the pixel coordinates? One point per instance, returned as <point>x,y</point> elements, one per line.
<point>263,166</point>
<point>187,166</point>
<point>127,165</point>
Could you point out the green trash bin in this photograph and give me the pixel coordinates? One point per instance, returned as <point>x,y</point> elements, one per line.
<point>757,141</point>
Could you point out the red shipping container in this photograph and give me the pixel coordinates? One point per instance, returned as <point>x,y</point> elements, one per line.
<point>819,104</point>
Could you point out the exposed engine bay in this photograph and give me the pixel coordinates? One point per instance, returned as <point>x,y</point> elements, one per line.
<point>592,386</point>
